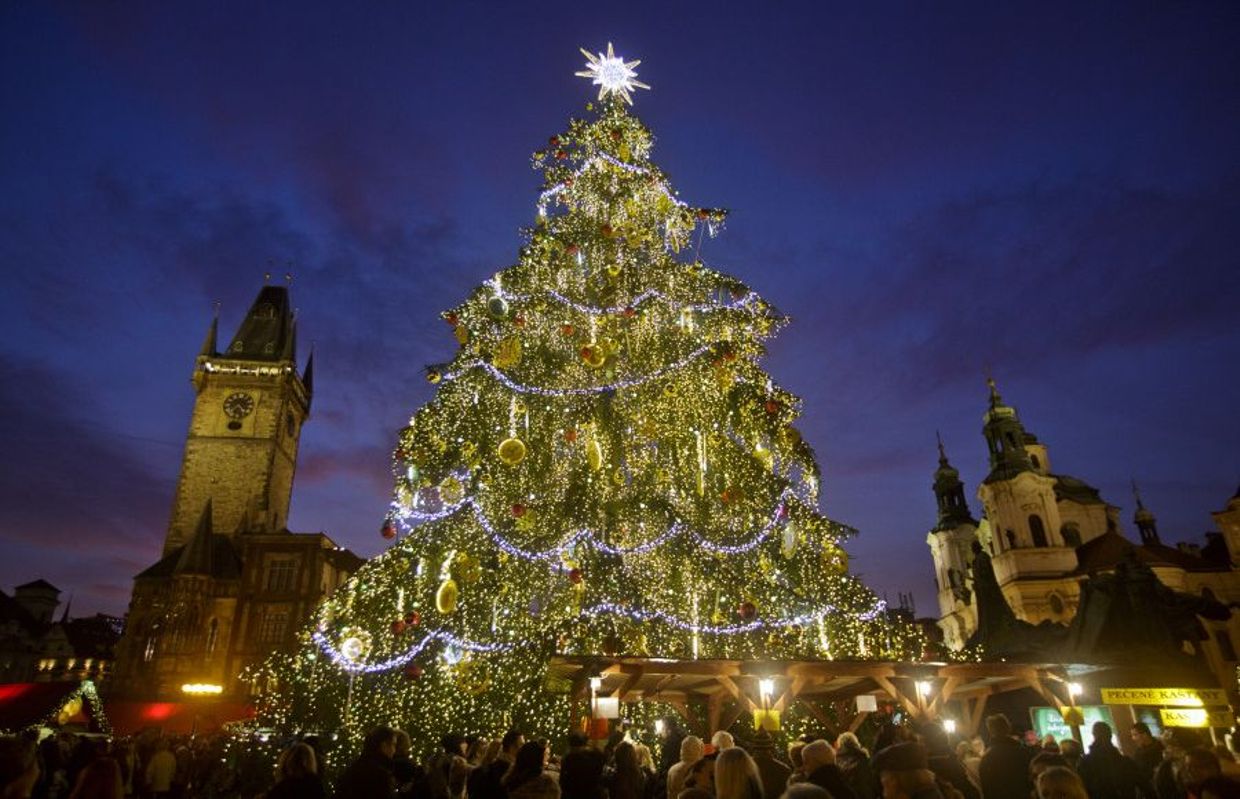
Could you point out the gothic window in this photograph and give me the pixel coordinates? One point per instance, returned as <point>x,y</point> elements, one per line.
<point>269,347</point>
<point>149,652</point>
<point>1071,535</point>
<point>238,345</point>
<point>1037,530</point>
<point>280,575</point>
<point>271,631</point>
<point>213,634</point>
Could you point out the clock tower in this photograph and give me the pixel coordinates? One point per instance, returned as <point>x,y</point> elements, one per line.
<point>241,450</point>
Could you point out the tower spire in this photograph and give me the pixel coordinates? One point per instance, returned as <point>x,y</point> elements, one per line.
<point>209,343</point>
<point>1147,525</point>
<point>1005,437</point>
<point>949,492</point>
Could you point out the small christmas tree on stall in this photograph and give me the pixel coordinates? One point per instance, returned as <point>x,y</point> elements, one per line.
<point>604,469</point>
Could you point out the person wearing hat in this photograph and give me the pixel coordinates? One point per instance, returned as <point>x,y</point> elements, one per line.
<point>821,770</point>
<point>904,772</point>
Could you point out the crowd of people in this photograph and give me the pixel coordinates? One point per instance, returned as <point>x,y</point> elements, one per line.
<point>903,763</point>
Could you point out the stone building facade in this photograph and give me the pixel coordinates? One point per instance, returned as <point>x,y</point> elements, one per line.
<point>1046,531</point>
<point>233,584</point>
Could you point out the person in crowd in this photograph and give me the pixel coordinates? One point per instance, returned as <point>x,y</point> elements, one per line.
<point>19,767</point>
<point>970,760</point>
<point>1060,782</point>
<point>581,770</point>
<point>100,779</point>
<point>773,772</point>
<point>701,776</point>
<point>486,781</point>
<point>625,780</point>
<point>797,762</point>
<point>1219,788</point>
<point>297,775</point>
<point>1072,752</point>
<point>1043,761</point>
<point>854,762</point>
<point>447,770</point>
<point>404,770</point>
<point>821,770</point>
<point>1004,769</point>
<point>1107,772</point>
<point>673,734</point>
<point>943,762</point>
<point>1149,751</point>
<point>645,761</point>
<point>1200,765</point>
<point>528,778</point>
<point>736,775</point>
<point>904,772</point>
<point>691,751</point>
<point>370,776</point>
<point>1168,777</point>
<point>1049,744</point>
<point>161,769</point>
<point>804,790</point>
<point>722,740</point>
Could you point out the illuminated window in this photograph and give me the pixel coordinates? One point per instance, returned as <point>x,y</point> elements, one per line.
<point>213,634</point>
<point>150,649</point>
<point>280,575</point>
<point>272,629</point>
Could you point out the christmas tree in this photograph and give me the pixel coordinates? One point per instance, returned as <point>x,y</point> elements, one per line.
<point>604,469</point>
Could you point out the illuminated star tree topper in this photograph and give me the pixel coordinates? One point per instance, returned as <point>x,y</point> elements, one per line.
<point>613,75</point>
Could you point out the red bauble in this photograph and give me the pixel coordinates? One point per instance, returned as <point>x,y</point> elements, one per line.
<point>398,627</point>
<point>519,321</point>
<point>518,510</point>
<point>572,249</point>
<point>616,134</point>
<point>568,182</point>
<point>630,312</point>
<point>388,530</point>
<point>570,435</point>
<point>587,353</point>
<point>567,330</point>
<point>702,213</point>
<point>747,611</point>
<point>772,407</point>
<point>554,141</point>
<point>575,576</point>
<point>607,230</point>
<point>560,155</point>
<point>413,672</point>
<point>451,319</point>
<point>413,618</point>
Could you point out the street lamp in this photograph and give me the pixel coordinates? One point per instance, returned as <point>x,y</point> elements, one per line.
<point>949,726</point>
<point>1074,689</point>
<point>658,727</point>
<point>923,688</point>
<point>766,687</point>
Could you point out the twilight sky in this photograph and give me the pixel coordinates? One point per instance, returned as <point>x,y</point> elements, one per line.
<point>1050,192</point>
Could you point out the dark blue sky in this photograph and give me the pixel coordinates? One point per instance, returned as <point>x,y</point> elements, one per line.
<point>931,190</point>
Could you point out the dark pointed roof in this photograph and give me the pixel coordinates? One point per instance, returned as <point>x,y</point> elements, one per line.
<point>39,584</point>
<point>268,332</point>
<point>307,375</point>
<point>209,343</point>
<point>196,555</point>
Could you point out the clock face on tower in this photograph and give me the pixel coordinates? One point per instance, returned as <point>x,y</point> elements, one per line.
<point>238,405</point>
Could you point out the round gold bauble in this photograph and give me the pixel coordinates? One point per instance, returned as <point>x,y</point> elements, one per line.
<point>511,451</point>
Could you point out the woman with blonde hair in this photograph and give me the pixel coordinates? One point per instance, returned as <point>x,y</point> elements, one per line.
<point>297,775</point>
<point>736,776</point>
<point>691,751</point>
<point>1060,782</point>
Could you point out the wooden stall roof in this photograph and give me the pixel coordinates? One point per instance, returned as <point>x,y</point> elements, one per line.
<point>730,687</point>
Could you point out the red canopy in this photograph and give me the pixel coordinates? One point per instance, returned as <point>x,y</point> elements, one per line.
<point>190,716</point>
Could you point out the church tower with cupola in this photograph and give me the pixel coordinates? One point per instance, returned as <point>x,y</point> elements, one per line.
<point>241,451</point>
<point>951,545</point>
